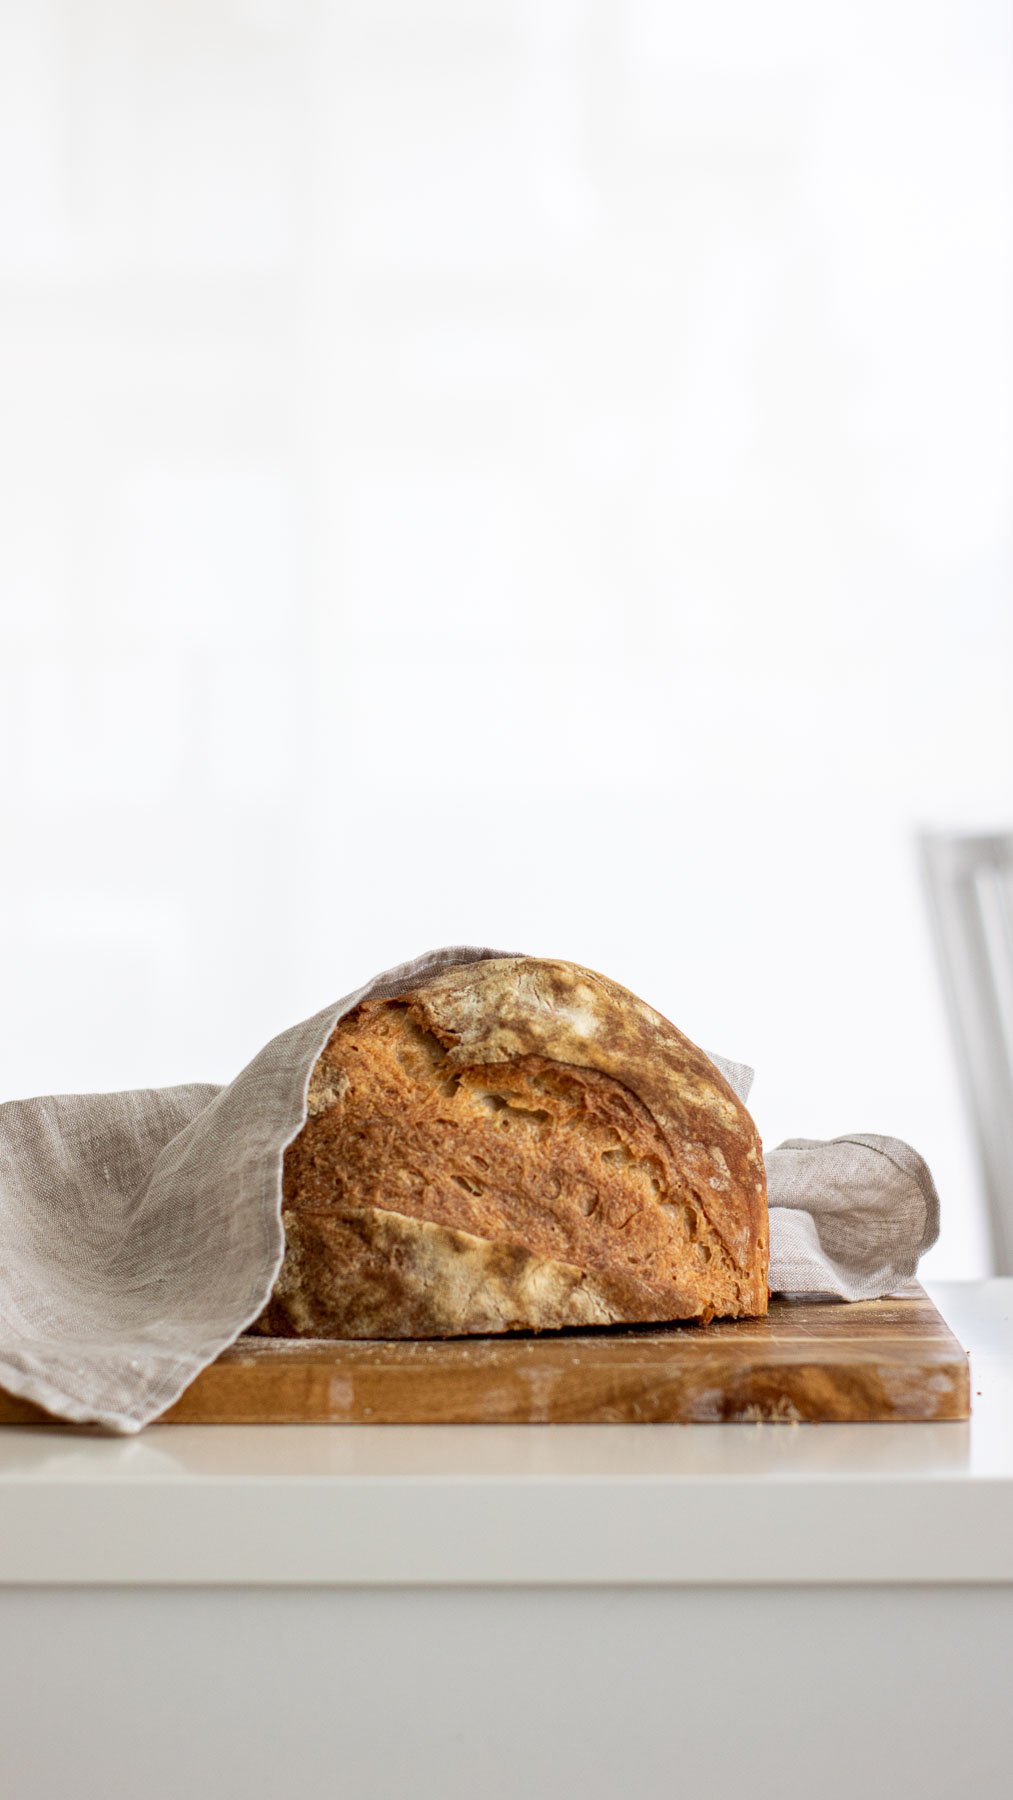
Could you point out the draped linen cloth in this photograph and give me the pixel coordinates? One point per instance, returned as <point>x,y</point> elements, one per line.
<point>140,1233</point>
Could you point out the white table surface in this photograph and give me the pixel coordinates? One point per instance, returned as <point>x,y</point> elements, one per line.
<point>529,1505</point>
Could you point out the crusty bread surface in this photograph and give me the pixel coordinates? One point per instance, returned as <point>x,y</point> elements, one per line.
<point>517,1144</point>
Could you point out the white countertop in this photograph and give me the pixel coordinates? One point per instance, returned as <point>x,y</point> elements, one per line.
<point>520,1504</point>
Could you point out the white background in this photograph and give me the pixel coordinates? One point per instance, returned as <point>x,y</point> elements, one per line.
<point>533,474</point>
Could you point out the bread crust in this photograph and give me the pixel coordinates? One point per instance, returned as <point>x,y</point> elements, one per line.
<point>518,1143</point>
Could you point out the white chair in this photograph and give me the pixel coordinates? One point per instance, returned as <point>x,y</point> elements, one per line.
<point>969,880</point>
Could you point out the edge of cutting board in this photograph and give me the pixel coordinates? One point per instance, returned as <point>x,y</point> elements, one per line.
<point>809,1360</point>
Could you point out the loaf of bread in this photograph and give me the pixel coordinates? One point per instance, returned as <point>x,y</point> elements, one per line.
<point>517,1144</point>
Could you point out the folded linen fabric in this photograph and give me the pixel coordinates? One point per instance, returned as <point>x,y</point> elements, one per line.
<point>140,1233</point>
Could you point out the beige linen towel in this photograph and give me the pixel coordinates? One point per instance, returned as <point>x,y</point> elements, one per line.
<point>140,1233</point>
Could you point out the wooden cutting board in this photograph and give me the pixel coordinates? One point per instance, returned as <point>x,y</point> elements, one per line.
<point>808,1360</point>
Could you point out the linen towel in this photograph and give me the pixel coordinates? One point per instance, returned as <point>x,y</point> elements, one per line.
<point>140,1233</point>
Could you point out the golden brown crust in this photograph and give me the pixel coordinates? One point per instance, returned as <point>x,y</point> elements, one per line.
<point>379,1274</point>
<point>517,1143</point>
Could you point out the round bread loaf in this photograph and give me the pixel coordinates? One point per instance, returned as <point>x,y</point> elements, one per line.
<point>517,1144</point>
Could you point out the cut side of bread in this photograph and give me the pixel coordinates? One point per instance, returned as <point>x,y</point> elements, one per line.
<point>519,1145</point>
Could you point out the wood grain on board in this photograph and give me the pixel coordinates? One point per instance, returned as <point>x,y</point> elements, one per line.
<point>807,1360</point>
